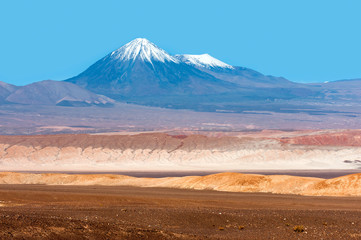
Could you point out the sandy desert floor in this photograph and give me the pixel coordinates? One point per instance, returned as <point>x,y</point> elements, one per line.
<point>109,212</point>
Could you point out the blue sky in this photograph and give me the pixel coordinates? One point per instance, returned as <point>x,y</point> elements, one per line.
<point>304,41</point>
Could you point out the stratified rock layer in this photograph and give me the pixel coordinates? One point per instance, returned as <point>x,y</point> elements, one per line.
<point>161,151</point>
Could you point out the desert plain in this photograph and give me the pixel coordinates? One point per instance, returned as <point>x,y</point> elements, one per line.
<point>182,185</point>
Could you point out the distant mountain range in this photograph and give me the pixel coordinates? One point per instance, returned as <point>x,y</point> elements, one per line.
<point>57,93</point>
<point>51,93</point>
<point>142,73</point>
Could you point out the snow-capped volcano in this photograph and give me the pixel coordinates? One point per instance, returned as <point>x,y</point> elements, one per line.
<point>203,61</point>
<point>140,68</point>
<point>140,72</point>
<point>143,49</point>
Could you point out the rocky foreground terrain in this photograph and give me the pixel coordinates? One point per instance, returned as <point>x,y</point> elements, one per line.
<point>115,212</point>
<point>181,150</point>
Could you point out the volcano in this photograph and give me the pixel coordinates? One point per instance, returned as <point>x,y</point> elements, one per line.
<point>140,69</point>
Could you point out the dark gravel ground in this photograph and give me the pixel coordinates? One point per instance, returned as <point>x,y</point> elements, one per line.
<point>95,212</point>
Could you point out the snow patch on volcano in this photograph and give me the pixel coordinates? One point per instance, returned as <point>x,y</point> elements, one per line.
<point>203,60</point>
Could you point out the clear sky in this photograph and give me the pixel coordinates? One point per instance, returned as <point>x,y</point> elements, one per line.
<point>302,40</point>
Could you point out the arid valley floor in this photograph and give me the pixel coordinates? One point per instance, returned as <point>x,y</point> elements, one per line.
<point>50,189</point>
<point>101,212</point>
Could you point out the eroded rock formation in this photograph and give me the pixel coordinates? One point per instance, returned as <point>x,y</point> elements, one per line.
<point>161,151</point>
<point>349,185</point>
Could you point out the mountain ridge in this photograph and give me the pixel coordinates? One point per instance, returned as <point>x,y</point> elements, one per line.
<point>141,73</point>
<point>49,92</point>
<point>5,90</point>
